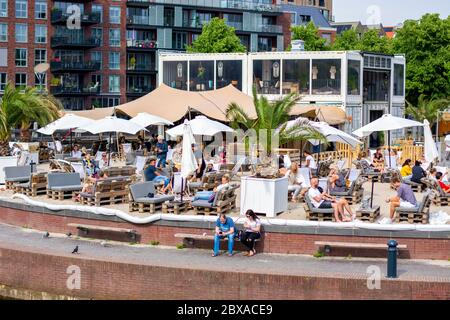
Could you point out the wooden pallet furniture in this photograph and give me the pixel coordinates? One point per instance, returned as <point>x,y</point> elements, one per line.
<point>209,181</point>
<point>368,214</point>
<point>36,186</point>
<point>418,214</point>
<point>15,175</point>
<point>140,198</point>
<point>103,232</point>
<point>224,201</point>
<point>355,193</point>
<point>315,214</point>
<point>439,197</point>
<point>107,191</point>
<point>175,207</point>
<point>63,185</point>
<point>123,171</point>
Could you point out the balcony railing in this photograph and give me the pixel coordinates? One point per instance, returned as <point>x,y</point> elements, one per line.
<point>58,16</point>
<point>145,20</point>
<point>64,66</point>
<point>141,67</point>
<point>66,41</point>
<point>235,25</point>
<point>255,5</point>
<point>147,44</point>
<point>69,91</point>
<point>271,28</point>
<point>141,90</point>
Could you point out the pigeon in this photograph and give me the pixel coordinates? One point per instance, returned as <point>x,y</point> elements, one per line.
<point>46,235</point>
<point>104,243</point>
<point>75,250</point>
<point>68,234</point>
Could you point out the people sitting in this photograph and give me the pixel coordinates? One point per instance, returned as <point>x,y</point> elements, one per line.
<point>405,197</point>
<point>337,180</point>
<point>89,165</point>
<point>418,173</point>
<point>210,167</point>
<point>406,170</point>
<point>432,174</point>
<point>103,162</point>
<point>151,174</point>
<point>252,232</point>
<point>88,186</point>
<point>310,162</point>
<point>198,173</point>
<point>444,187</point>
<point>323,200</point>
<point>210,195</point>
<point>296,181</point>
<point>76,152</point>
<point>224,228</point>
<point>378,160</point>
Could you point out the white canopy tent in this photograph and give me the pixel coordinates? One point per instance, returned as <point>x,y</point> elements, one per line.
<point>145,119</point>
<point>66,122</point>
<point>202,126</point>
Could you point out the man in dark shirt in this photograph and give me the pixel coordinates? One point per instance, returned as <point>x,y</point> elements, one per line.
<point>418,173</point>
<point>405,197</point>
<point>151,174</point>
<point>161,151</point>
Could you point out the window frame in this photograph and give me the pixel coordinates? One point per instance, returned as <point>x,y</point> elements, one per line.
<point>20,58</point>
<point>17,33</point>
<point>36,37</point>
<point>40,4</point>
<point>21,3</point>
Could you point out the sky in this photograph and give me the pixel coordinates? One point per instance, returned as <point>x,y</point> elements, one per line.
<point>388,12</point>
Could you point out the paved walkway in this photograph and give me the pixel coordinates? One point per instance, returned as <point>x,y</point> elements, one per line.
<point>31,240</point>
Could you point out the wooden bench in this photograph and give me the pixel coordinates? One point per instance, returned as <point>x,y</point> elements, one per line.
<point>85,230</point>
<point>355,245</point>
<point>192,237</point>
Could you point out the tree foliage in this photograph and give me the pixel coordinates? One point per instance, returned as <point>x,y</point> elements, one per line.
<point>309,34</point>
<point>217,37</point>
<point>370,41</point>
<point>427,109</point>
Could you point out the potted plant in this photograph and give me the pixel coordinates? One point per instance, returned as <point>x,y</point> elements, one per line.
<point>132,65</point>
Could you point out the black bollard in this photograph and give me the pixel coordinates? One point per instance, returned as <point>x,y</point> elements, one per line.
<point>392,259</point>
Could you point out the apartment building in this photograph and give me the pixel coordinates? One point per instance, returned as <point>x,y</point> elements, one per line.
<point>325,6</point>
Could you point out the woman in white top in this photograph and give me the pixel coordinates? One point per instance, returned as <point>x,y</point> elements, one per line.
<point>310,162</point>
<point>252,232</point>
<point>76,153</point>
<point>295,181</point>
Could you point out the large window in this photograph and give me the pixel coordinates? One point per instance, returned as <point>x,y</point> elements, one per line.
<point>229,72</point>
<point>376,85</point>
<point>179,40</point>
<point>40,10</point>
<point>266,76</point>
<point>114,84</point>
<point>21,57</point>
<point>138,84</point>
<point>114,60</point>
<point>201,74</point>
<point>399,84</point>
<point>21,8</point>
<point>21,79</point>
<point>40,33</point>
<point>114,37</point>
<point>326,76</point>
<point>3,32</point>
<point>96,56</point>
<point>3,81</point>
<point>354,77</point>
<point>40,56</point>
<point>114,15</point>
<point>295,76</point>
<point>175,74</point>
<point>21,32</point>
<point>97,34</point>
<point>98,8</point>
<point>3,8</point>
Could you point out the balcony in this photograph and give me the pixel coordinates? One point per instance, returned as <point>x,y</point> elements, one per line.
<point>74,67</point>
<point>138,20</point>
<point>63,42</point>
<point>59,17</point>
<point>59,91</point>
<point>271,28</point>
<point>141,68</point>
<point>142,44</point>
<point>251,5</point>
<point>236,25</point>
<point>138,91</point>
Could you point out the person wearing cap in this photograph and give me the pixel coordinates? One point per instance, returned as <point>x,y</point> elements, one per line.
<point>161,151</point>
<point>151,174</point>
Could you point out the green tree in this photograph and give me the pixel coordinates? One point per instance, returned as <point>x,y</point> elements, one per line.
<point>427,108</point>
<point>19,107</point>
<point>272,116</point>
<point>309,34</point>
<point>347,40</point>
<point>217,37</point>
<point>372,41</point>
<point>426,45</point>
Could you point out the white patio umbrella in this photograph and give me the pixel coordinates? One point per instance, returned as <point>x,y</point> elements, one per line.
<point>188,161</point>
<point>112,124</point>
<point>146,119</point>
<point>66,122</point>
<point>430,149</point>
<point>202,126</point>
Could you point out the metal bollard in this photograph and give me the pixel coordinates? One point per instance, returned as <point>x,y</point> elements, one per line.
<point>392,259</point>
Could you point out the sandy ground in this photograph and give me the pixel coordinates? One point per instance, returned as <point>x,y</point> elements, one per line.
<point>295,210</point>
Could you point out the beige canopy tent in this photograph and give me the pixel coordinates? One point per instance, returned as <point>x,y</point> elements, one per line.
<point>174,104</point>
<point>332,115</point>
<point>94,114</point>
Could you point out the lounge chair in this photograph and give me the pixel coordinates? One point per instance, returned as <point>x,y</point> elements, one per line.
<point>15,175</point>
<point>355,193</point>
<point>235,169</point>
<point>62,185</point>
<point>209,181</point>
<point>224,201</point>
<point>37,185</point>
<point>316,214</point>
<point>367,171</point>
<point>140,200</point>
<point>439,196</point>
<point>418,214</point>
<point>107,191</point>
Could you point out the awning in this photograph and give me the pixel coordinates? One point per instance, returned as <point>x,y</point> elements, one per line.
<point>94,114</point>
<point>332,115</point>
<point>174,104</point>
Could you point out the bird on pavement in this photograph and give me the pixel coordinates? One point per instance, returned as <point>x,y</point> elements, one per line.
<point>75,250</point>
<point>46,235</point>
<point>68,234</point>
<point>104,243</point>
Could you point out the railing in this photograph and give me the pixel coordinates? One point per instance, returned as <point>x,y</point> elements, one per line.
<point>62,65</point>
<point>150,44</point>
<point>235,25</point>
<point>138,90</point>
<point>272,28</point>
<point>60,90</point>
<point>256,5</point>
<point>57,15</point>
<point>138,20</point>
<point>66,40</point>
<point>141,67</point>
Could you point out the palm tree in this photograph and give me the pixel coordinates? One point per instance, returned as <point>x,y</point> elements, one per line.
<point>19,107</point>
<point>273,116</point>
<point>427,109</point>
